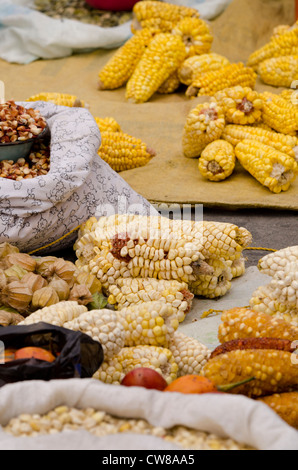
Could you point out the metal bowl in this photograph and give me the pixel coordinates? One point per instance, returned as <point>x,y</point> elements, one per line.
<point>21,148</point>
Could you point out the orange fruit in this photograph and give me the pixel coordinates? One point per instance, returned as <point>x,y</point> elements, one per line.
<point>191,384</point>
<point>37,353</point>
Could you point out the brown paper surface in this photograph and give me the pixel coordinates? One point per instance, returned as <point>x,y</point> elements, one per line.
<point>169,177</point>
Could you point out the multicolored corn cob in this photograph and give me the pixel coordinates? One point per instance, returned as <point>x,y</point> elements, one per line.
<point>213,285</point>
<point>217,161</point>
<point>241,105</point>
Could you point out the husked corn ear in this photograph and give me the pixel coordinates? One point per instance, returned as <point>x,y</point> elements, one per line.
<point>108,124</point>
<point>273,169</point>
<point>160,15</point>
<point>119,68</point>
<point>279,71</point>
<point>237,266</point>
<point>196,35</point>
<point>197,65</point>
<point>171,84</point>
<point>273,370</point>
<point>285,405</point>
<point>242,322</point>
<point>103,326</point>
<point>162,57</point>
<point>129,358</point>
<point>241,105</point>
<point>124,152</point>
<point>291,96</point>
<point>56,314</point>
<point>278,260</point>
<point>217,161</point>
<point>130,291</point>
<point>204,124</point>
<point>281,45</point>
<point>61,99</point>
<point>283,143</point>
<point>190,355</point>
<point>216,284</point>
<point>279,114</point>
<point>226,77</point>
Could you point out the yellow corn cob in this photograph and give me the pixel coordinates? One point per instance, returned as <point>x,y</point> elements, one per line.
<point>285,405</point>
<point>241,105</point>
<point>130,291</point>
<point>196,35</point>
<point>61,99</point>
<point>278,260</point>
<point>197,65</point>
<point>108,124</point>
<point>279,71</point>
<point>124,152</point>
<point>217,161</point>
<point>56,314</point>
<point>160,15</point>
<point>279,114</point>
<point>273,169</point>
<point>291,96</point>
<point>239,323</point>
<point>119,68</point>
<point>162,57</point>
<point>189,354</point>
<point>170,85</point>
<point>237,266</point>
<point>204,124</point>
<point>129,358</point>
<point>281,45</point>
<point>227,77</point>
<point>281,142</point>
<point>216,284</point>
<point>273,370</point>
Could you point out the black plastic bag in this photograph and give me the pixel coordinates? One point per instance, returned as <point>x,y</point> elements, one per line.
<point>79,356</point>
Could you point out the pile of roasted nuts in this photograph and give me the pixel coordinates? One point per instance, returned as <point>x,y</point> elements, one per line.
<point>38,164</point>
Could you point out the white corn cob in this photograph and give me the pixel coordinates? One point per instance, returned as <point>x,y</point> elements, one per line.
<point>57,314</point>
<point>216,284</point>
<point>277,261</point>
<point>189,354</point>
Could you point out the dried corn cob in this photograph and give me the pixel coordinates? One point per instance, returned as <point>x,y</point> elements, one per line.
<point>279,71</point>
<point>273,169</point>
<point>196,35</point>
<point>159,15</point>
<point>189,354</point>
<point>227,77</point>
<point>117,71</point>
<point>213,285</point>
<point>197,65</point>
<point>130,291</point>
<point>281,45</point>
<point>204,124</point>
<point>154,357</point>
<point>108,124</point>
<point>285,405</point>
<point>278,260</point>
<point>61,99</point>
<point>281,142</point>
<point>237,266</point>
<point>255,344</point>
<point>273,370</point>
<point>124,152</point>
<point>279,114</point>
<point>291,96</point>
<point>170,85</point>
<point>217,161</point>
<point>241,105</point>
<point>238,323</point>
<point>162,57</point>
<point>57,314</point>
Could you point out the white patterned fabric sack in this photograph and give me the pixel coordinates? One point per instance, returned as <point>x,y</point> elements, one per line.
<point>39,211</point>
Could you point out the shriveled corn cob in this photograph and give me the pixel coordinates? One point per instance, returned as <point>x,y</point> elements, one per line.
<point>278,260</point>
<point>190,355</point>
<point>197,65</point>
<point>161,59</point>
<point>108,124</point>
<point>119,68</point>
<point>196,35</point>
<point>279,71</point>
<point>123,151</point>
<point>273,169</point>
<point>103,326</point>
<point>273,370</point>
<point>283,143</point>
<point>170,85</point>
<point>162,16</point>
<point>204,124</point>
<point>61,99</point>
<point>217,161</point>
<point>130,291</point>
<point>241,105</point>
<point>216,284</point>
<point>226,77</point>
<point>285,405</point>
<point>244,322</point>
<point>279,114</point>
<point>281,45</point>
<point>129,358</point>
